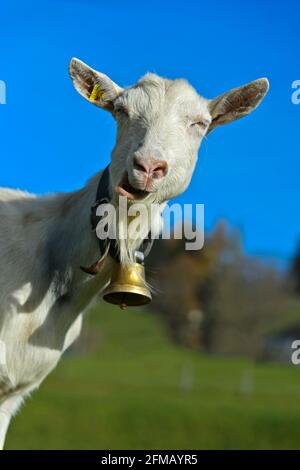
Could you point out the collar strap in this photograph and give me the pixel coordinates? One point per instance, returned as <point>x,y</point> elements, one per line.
<point>103,196</point>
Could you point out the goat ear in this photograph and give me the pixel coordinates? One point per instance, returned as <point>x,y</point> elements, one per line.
<point>94,86</point>
<point>237,103</point>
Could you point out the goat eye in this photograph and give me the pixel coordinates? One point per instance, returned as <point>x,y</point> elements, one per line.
<point>201,124</point>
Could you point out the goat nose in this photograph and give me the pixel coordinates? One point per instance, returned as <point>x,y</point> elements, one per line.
<point>156,169</point>
<point>159,169</point>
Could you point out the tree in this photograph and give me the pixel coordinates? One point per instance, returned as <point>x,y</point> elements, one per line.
<point>217,299</point>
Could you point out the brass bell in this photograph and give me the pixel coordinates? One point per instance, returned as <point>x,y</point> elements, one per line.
<point>127,286</point>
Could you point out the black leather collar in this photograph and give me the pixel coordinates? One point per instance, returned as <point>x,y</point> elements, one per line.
<point>103,196</point>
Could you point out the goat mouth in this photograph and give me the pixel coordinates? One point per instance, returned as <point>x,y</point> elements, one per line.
<point>127,190</point>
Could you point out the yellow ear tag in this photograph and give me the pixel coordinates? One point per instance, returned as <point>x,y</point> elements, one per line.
<point>96,93</point>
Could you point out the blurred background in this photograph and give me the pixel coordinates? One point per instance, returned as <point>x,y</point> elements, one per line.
<point>208,364</point>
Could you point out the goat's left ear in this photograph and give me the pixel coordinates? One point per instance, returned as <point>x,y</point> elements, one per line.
<point>94,86</point>
<point>237,103</point>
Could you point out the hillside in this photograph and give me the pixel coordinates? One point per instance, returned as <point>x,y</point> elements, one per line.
<point>125,386</point>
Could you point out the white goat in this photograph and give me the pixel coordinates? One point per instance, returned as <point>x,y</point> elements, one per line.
<point>44,240</point>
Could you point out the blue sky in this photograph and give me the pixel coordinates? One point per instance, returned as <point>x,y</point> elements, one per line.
<point>53,140</point>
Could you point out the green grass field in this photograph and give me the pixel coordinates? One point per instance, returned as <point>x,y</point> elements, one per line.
<point>133,389</point>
